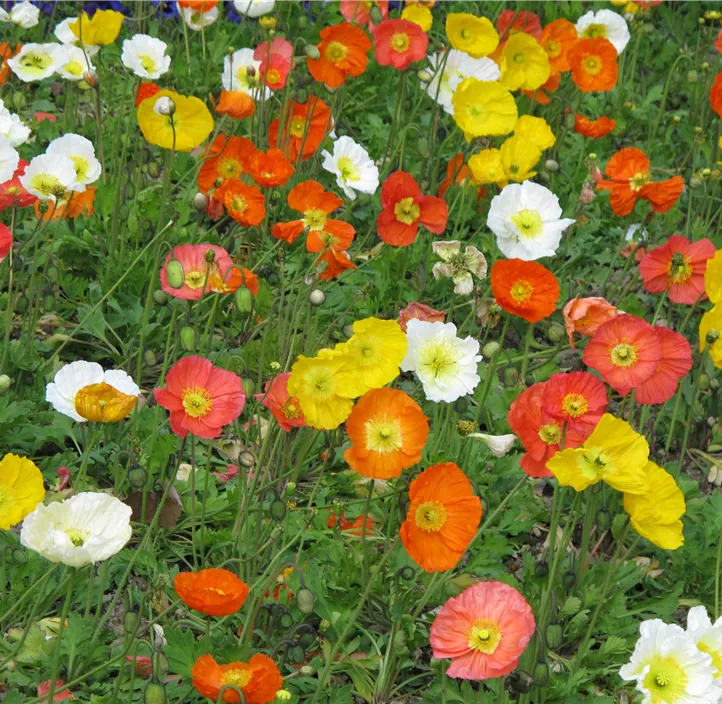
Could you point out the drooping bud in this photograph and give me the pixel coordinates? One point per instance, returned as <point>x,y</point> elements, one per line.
<point>244,300</point>
<point>5,384</point>
<point>375,14</point>
<point>521,681</point>
<point>277,509</point>
<point>551,165</point>
<point>541,674</point>
<point>149,358</point>
<point>305,600</point>
<point>570,121</point>
<point>188,338</point>
<point>692,77</point>
<point>423,146</point>
<point>553,635</point>
<point>424,75</point>
<point>137,477</point>
<point>130,622</point>
<point>312,52</point>
<point>154,693</point>
<point>555,332</point>
<point>703,382</point>
<point>160,297</point>
<point>249,387</point>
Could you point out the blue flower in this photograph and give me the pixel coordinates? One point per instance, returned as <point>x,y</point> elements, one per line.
<point>167,9</point>
<point>91,7</point>
<point>232,14</point>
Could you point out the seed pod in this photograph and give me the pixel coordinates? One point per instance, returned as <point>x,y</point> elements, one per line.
<point>510,376</point>
<point>246,459</point>
<point>541,674</point>
<point>406,573</point>
<point>175,273</point>
<point>301,21</point>
<point>130,622</point>
<point>188,338</point>
<point>154,169</point>
<point>521,681</point>
<point>306,638</point>
<point>160,297</point>
<point>49,302</point>
<point>305,600</point>
<point>149,358</point>
<point>307,670</point>
<point>555,332</point>
<point>154,693</point>
<point>277,510</point>
<point>302,94</point>
<point>551,165</point>
<point>296,654</point>
<point>375,14</point>
<point>490,349</point>
<point>249,387</point>
<point>5,384</point>
<point>137,477</point>
<point>244,300</point>
<point>200,202</point>
<point>553,635</point>
<point>604,520</point>
<point>424,75</point>
<point>317,297</point>
<point>703,382</point>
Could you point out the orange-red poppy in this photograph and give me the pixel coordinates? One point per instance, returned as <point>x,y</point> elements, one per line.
<point>526,289</point>
<point>259,679</point>
<point>271,168</point>
<point>585,315</point>
<point>198,5</point>
<point>399,43</point>
<point>304,128</point>
<point>236,104</point>
<point>276,59</point>
<point>13,193</point>
<point>70,206</point>
<point>145,90</point>
<point>244,203</point>
<point>594,64</point>
<point>335,263</point>
<point>596,129</point>
<point>343,50</point>
<point>6,53</point>
<point>419,311</point>
<point>540,94</point>
<point>388,431</point>
<point>226,158</point>
<point>359,11</point>
<point>557,38</point>
<point>578,399</point>
<point>442,519</point>
<point>214,591</point>
<point>511,22</point>
<point>715,94</point>
<point>354,527</point>
<point>458,173</point>
<point>630,178</point>
<point>285,408</point>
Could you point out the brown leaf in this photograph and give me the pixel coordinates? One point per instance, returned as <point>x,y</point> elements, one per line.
<point>170,512</point>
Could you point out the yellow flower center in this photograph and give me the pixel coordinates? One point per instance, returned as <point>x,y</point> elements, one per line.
<point>666,681</point>
<point>335,52</point>
<point>229,168</point>
<point>36,62</point>
<point>519,57</point>
<point>77,537</point>
<point>238,678</point>
<point>574,405</point>
<point>74,68</point>
<point>551,434</point>
<point>238,204</point>
<point>314,219</point>
<point>330,240</point>
<point>679,269</point>
<point>624,354</point>
<point>439,358</point>
<point>400,42</point>
<point>48,185</point>
<point>594,31</point>
<point>148,63</point>
<point>639,180</point>
<point>475,111</point>
<point>298,127</point>
<point>521,291</point>
<point>430,516</point>
<point>484,636</point>
<point>553,48</point>
<point>81,167</point>
<point>592,65</point>
<point>195,279</point>
<point>348,170</point>
<point>383,435</point>
<point>528,222</point>
<point>273,76</point>
<point>291,408</point>
<point>407,211</point>
<point>465,33</point>
<point>197,401</point>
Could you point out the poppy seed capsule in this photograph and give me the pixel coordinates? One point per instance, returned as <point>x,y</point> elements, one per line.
<point>692,77</point>
<point>244,300</point>
<point>137,477</point>
<point>490,349</point>
<point>551,165</point>
<point>154,693</point>
<point>317,297</point>
<point>555,332</point>
<point>424,75</point>
<point>5,384</point>
<point>305,600</point>
<point>703,382</point>
<point>188,338</point>
<point>249,386</point>
<point>277,510</point>
<point>695,182</point>
<point>200,202</point>
<point>302,94</point>
<point>154,169</point>
<point>553,635</point>
<point>149,358</point>
<point>541,674</point>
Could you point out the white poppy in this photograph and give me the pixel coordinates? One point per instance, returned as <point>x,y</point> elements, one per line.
<point>9,159</point>
<point>73,63</point>
<point>48,176</point>
<point>66,36</point>
<point>498,444</point>
<point>73,377</point>
<point>145,56</point>
<point>35,62</point>
<point>353,167</point>
<point>86,528</point>
<point>445,364</point>
<point>706,636</point>
<point>13,128</point>
<point>526,219</point>
<point>253,8</point>
<point>607,24</point>
<point>449,73</point>
<point>82,153</point>
<point>632,231</point>
<point>236,77</point>
<point>23,14</point>
<point>668,667</point>
<point>457,266</point>
<point>198,20</point>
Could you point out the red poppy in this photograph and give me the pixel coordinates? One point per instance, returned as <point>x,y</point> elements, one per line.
<point>678,267</point>
<point>630,178</point>
<point>335,262</point>
<point>198,5</point>
<point>145,90</point>
<point>44,690</point>
<point>717,44</point>
<point>44,116</point>
<point>343,53</point>
<point>625,351</point>
<point>526,289</point>
<point>578,399</point>
<point>231,472</point>
<point>276,59</point>
<point>6,241</point>
<point>405,208</point>
<point>419,311</point>
<point>226,158</point>
<point>715,95</point>
<point>399,43</point>
<point>359,11</point>
<point>13,193</point>
<point>596,129</point>
<point>201,398</point>
<point>270,169</point>
<point>285,408</point>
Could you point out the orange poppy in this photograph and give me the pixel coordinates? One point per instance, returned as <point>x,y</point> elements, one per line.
<point>442,519</point>
<point>336,263</point>
<point>459,173</point>
<point>388,431</point>
<point>244,203</point>
<point>305,127</point>
<point>7,53</point>
<point>359,11</point>
<point>630,178</point>
<point>259,679</point>
<point>198,5</point>
<point>145,90</point>
<point>343,50</point>
<point>594,64</point>
<point>551,86</point>
<point>216,592</point>
<point>596,129</point>
<point>236,103</point>
<point>226,158</point>
<point>715,94</point>
<point>71,207</point>
<point>270,168</point>
<point>526,289</point>
<point>557,38</point>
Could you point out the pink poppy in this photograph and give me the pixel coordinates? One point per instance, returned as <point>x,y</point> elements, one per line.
<point>419,311</point>
<point>585,315</point>
<point>276,62</point>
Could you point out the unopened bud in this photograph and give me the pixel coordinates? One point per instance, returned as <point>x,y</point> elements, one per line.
<point>277,510</point>
<point>305,600</point>
<point>149,358</point>
<point>692,77</point>
<point>154,693</point>
<point>5,384</point>
<point>490,349</point>
<point>695,182</point>
<point>541,674</point>
<point>703,382</point>
<point>210,255</point>
<point>461,405</point>
<point>423,146</point>
<point>200,202</point>
<point>375,14</point>
<point>244,300</point>
<point>587,195</point>
<point>137,477</point>
<point>317,297</point>
<point>553,635</point>
<point>521,681</point>
<point>188,338</point>
<point>551,165</point>
<point>130,622</point>
<point>154,169</point>
<point>249,387</point>
<point>92,79</point>
<point>555,333</point>
<point>160,297</point>
<point>712,337</point>
<point>312,52</point>
<point>424,75</point>
<point>570,121</point>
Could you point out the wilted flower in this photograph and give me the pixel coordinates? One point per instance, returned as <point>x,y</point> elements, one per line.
<point>419,311</point>
<point>459,267</point>
<point>585,315</point>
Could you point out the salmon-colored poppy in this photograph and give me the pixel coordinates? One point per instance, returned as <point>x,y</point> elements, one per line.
<point>304,128</point>
<point>226,158</point>
<point>625,351</point>
<point>259,679</point>
<point>585,315</point>
<point>13,193</point>
<point>594,64</point>
<point>6,53</point>
<point>678,267</point>
<point>715,94</point>
<point>201,398</point>
<point>335,263</point>
<point>578,399</point>
<point>459,173</point>
<point>244,203</point>
<point>388,431</point>
<point>145,90</point>
<point>216,592</point>
<point>630,178</point>
<point>354,527</point>
<point>44,690</point>
<point>399,43</point>
<point>717,43</point>
<point>557,38</point>
<point>6,242</point>
<point>343,53</point>
<point>538,431</point>
<point>276,59</point>
<point>359,11</point>
<point>595,129</point>
<point>270,169</point>
<point>540,94</point>
<point>511,22</point>
<point>72,205</point>
<point>419,311</point>
<point>526,289</point>
<point>285,408</point>
<point>442,519</point>
<point>236,104</point>
<point>405,208</point>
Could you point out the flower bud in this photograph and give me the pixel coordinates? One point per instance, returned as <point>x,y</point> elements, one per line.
<point>541,674</point>
<point>244,300</point>
<point>692,77</point>
<point>277,510</point>
<point>249,387</point>
<point>714,383</point>
<point>188,338</point>
<point>541,569</point>
<point>160,297</point>
<point>703,382</point>
<point>569,580</point>
<point>553,635</point>
<point>246,459</point>
<point>154,169</point>
<point>137,477</point>
<point>587,195</point>
<point>570,121</point>
<point>712,337</point>
<point>490,349</point>
<point>375,14</point>
<point>302,94</point>
<point>149,358</point>
<point>175,273</point>
<point>544,177</point>
<point>20,557</point>
<point>165,106</point>
<point>695,182</point>
<point>551,165</point>
<point>422,145</point>
<point>200,202</point>
<point>130,622</point>
<point>48,302</point>
<point>92,79</point>
<point>307,670</point>
<point>510,376</point>
<point>305,600</point>
<point>5,384</point>
<point>555,333</point>
<point>161,665</point>
<point>312,52</point>
<point>154,693</point>
<point>317,297</point>
<point>714,448</point>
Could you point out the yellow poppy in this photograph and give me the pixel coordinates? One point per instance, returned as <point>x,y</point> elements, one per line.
<point>536,130</point>
<point>102,403</point>
<point>418,14</point>
<point>186,125</point>
<point>21,489</point>
<point>104,28</point>
<point>713,278</point>
<point>518,157</point>
<point>524,63</point>
<point>486,167</point>
<point>475,36</point>
<point>483,108</point>
<point>710,333</point>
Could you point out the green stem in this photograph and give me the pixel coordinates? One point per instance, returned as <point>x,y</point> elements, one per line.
<point>59,637</point>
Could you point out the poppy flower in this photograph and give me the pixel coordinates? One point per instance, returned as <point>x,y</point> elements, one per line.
<point>713,278</point>
<point>399,43</point>
<point>717,44</point>
<point>486,166</point>
<point>630,178</point>
<point>226,158</point>
<point>335,264</point>
<point>286,409</point>
<point>198,5</point>
<point>715,95</point>
<point>484,631</point>
<point>625,351</point>
<point>596,129</point>
<point>72,205</point>
<point>187,127</point>
<point>13,193</point>
<point>244,203</point>
<point>354,527</point>
<point>343,53</point>
<point>419,311</point>
<point>511,22</point>
<point>103,28</point>
<point>270,169</point>
<point>44,690</point>
<point>524,64</point>
<point>576,398</point>
<point>585,315</point>
<point>6,53</point>
<point>484,108</point>
<point>677,266</point>
<point>540,94</point>
<point>360,12</point>
<point>405,208</point>
<point>594,65</point>
<point>388,431</point>
<point>142,665</point>
<point>538,431</point>
<point>526,289</point>
<point>259,679</point>
<point>557,38</point>
<point>276,60</point>
<point>442,519</point>
<point>710,334</point>
<point>216,592</point>
<point>6,241</point>
<point>145,90</point>
<point>237,104</point>
<point>201,398</point>
<point>470,34</point>
<point>458,173</point>
<point>305,127</point>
